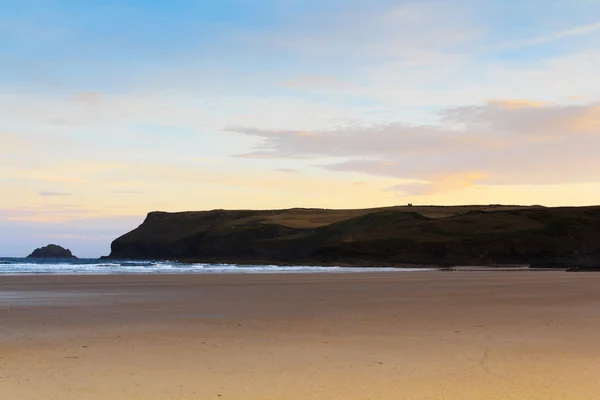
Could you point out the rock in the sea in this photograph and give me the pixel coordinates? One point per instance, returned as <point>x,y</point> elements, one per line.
<point>51,251</point>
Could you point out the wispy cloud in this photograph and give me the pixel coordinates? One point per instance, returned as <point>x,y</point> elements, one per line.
<point>288,170</point>
<point>442,183</point>
<point>48,213</point>
<point>49,193</point>
<point>499,142</point>
<point>563,34</point>
<point>127,192</point>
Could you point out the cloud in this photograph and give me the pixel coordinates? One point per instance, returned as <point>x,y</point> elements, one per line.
<point>113,115</point>
<point>127,192</point>
<point>527,119</point>
<point>516,104</point>
<point>90,98</point>
<point>288,170</point>
<point>377,30</point>
<point>499,142</point>
<point>442,183</point>
<point>566,33</point>
<point>48,193</point>
<point>47,213</point>
<point>316,81</point>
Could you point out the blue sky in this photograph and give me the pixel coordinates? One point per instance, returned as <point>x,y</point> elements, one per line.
<point>111,109</point>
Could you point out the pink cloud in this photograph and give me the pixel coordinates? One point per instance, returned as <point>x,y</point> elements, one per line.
<point>503,141</point>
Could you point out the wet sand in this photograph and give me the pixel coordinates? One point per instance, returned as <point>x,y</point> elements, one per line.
<point>424,335</point>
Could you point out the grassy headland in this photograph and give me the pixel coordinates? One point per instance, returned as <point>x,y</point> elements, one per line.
<point>395,236</point>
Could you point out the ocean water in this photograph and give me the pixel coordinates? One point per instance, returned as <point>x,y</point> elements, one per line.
<point>27,266</point>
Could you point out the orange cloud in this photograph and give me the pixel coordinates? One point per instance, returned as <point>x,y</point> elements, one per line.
<point>588,121</point>
<point>443,183</point>
<point>516,104</point>
<point>459,181</point>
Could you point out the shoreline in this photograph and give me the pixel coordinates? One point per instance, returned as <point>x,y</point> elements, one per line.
<point>509,266</point>
<point>398,265</point>
<point>90,266</point>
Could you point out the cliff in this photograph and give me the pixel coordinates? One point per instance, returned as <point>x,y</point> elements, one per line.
<point>51,251</point>
<point>465,235</point>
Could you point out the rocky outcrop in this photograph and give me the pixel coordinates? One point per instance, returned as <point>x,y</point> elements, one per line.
<point>51,251</point>
<point>474,235</point>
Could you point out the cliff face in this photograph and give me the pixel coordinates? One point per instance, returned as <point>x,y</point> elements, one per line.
<point>473,235</point>
<point>51,251</point>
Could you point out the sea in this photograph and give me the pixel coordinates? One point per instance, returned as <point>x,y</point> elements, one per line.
<point>82,266</point>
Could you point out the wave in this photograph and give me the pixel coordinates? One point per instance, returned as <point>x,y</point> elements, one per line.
<point>22,266</point>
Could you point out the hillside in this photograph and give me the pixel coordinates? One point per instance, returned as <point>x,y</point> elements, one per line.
<point>465,235</point>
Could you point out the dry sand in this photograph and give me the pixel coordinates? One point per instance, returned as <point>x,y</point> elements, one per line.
<point>425,335</point>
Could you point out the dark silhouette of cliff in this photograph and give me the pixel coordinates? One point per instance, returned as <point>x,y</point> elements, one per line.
<point>461,235</point>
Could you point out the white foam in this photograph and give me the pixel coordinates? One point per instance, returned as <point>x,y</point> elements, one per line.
<point>107,267</point>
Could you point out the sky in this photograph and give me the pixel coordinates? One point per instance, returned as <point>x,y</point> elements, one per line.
<point>110,109</point>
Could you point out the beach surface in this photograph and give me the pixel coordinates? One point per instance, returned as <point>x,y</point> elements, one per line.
<point>356,336</point>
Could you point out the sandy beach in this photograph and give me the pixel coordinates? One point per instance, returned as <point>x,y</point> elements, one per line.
<point>422,335</point>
